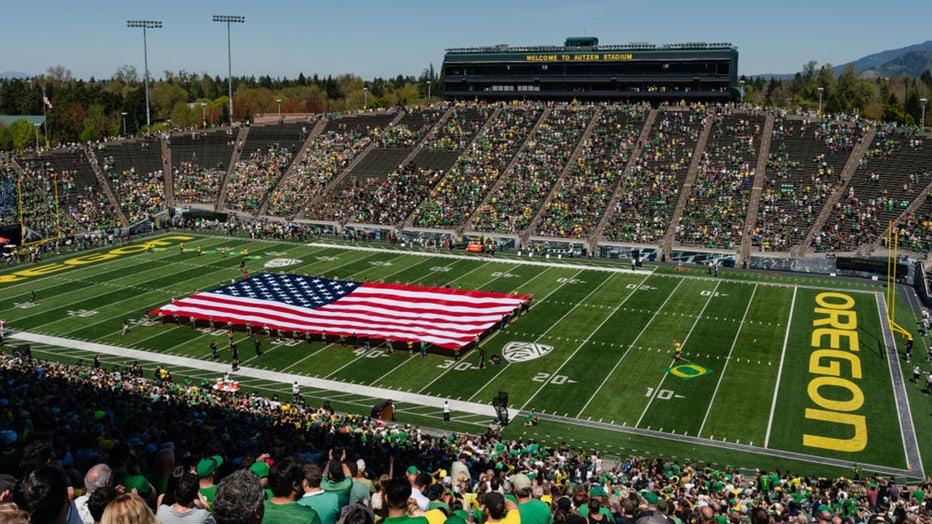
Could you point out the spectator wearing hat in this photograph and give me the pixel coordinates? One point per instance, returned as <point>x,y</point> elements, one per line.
<point>532,510</point>
<point>359,491</point>
<point>361,476</point>
<point>286,480</point>
<point>325,503</point>
<point>206,470</point>
<point>597,497</point>
<point>459,468</point>
<point>261,468</point>
<point>499,509</point>
<point>240,499</point>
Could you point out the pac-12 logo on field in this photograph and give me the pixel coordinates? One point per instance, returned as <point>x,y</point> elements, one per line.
<point>524,351</point>
<point>282,262</point>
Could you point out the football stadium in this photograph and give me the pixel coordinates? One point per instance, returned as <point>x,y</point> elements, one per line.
<point>578,275</point>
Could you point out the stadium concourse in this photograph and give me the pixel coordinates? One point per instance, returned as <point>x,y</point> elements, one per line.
<point>728,179</point>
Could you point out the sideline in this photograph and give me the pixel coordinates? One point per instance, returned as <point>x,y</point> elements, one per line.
<point>907,429</point>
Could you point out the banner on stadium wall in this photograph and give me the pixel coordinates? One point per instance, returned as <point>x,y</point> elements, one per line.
<point>870,264</point>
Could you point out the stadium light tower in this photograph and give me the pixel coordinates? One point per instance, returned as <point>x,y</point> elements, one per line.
<point>230,20</point>
<point>365,94</point>
<point>145,24</point>
<point>922,126</point>
<point>37,135</point>
<point>279,100</point>
<point>123,114</point>
<point>820,100</point>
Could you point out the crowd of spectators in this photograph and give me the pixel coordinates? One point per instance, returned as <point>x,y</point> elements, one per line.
<point>716,211</point>
<point>803,170</point>
<point>805,163</point>
<point>326,157</point>
<point>197,184</point>
<point>580,199</point>
<point>251,179</point>
<point>649,193</point>
<point>84,434</point>
<point>477,170</point>
<point>892,173</point>
<point>532,175</point>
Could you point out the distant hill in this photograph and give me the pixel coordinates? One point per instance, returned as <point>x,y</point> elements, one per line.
<point>910,60</point>
<point>6,75</point>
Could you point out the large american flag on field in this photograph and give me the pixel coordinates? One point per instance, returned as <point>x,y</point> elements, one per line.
<point>449,318</point>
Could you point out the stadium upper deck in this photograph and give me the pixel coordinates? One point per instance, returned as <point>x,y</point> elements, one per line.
<point>783,183</point>
<point>582,69</point>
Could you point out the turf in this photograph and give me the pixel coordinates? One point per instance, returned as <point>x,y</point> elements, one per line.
<point>605,336</point>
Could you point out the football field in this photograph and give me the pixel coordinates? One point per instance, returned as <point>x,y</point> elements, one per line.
<point>774,370</point>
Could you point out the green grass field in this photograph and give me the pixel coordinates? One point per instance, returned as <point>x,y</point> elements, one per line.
<point>757,385</point>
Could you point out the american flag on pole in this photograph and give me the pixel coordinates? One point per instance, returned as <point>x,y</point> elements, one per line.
<point>448,318</point>
<point>45,100</point>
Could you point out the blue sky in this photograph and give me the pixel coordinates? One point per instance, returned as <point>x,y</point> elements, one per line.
<point>282,38</point>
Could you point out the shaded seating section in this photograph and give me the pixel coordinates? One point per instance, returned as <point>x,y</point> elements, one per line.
<point>9,195</point>
<point>534,173</point>
<point>368,197</point>
<point>410,129</point>
<point>477,170</point>
<point>199,163</point>
<point>580,199</point>
<point>327,155</point>
<point>717,209</point>
<point>893,172</point>
<point>82,205</point>
<point>803,169</point>
<point>266,154</point>
<point>134,170</point>
<point>650,191</point>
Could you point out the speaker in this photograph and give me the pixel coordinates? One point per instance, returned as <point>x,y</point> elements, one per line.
<point>384,411</point>
<point>24,351</point>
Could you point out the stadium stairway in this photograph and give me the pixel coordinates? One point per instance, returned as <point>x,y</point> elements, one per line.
<point>757,188</point>
<point>340,179</point>
<point>532,227</point>
<point>846,174</point>
<point>505,173</point>
<point>241,136</point>
<point>688,184</point>
<point>295,161</point>
<point>921,199</point>
<point>168,175</point>
<point>105,184</point>
<point>635,154</point>
<point>409,221</point>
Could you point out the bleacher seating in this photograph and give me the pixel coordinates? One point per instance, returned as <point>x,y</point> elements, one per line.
<point>134,171</point>
<point>804,168</point>
<point>650,191</point>
<point>199,163</point>
<point>580,199</point>
<point>266,154</point>
<point>895,170</point>
<point>716,211</point>
<point>463,187</point>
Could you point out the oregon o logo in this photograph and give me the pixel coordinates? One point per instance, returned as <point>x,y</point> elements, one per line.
<point>689,371</point>
<point>524,351</point>
<point>282,262</point>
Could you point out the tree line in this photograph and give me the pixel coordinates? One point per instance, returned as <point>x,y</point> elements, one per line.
<point>89,110</point>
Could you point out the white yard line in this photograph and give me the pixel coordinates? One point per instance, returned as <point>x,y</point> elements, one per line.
<point>583,343</point>
<point>656,390</point>
<point>631,345</point>
<point>776,391</point>
<point>721,375</point>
